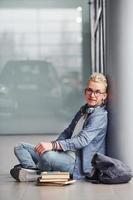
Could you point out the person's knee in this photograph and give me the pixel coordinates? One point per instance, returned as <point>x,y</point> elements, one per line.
<point>18,147</point>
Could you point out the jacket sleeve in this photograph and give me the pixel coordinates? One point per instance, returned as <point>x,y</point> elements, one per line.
<point>94,126</point>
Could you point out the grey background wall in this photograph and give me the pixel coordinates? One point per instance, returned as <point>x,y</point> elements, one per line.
<point>120,74</point>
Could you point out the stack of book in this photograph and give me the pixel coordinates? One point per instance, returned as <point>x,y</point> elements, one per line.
<point>55,178</point>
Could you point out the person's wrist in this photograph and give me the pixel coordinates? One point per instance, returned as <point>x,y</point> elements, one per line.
<point>54,145</point>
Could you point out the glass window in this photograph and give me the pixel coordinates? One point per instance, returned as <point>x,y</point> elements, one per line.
<point>41,79</point>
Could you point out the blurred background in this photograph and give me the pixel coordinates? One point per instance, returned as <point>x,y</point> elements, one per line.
<point>42,65</point>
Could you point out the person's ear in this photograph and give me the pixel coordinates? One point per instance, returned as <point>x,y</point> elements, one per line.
<point>104,96</point>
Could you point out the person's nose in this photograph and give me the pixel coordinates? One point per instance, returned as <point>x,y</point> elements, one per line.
<point>93,94</point>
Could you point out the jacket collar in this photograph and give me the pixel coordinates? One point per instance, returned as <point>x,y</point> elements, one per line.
<point>85,109</point>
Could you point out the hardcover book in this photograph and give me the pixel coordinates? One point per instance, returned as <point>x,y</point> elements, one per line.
<point>55,183</point>
<point>55,175</point>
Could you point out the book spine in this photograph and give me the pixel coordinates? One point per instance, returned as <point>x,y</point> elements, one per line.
<point>55,173</point>
<point>56,176</point>
<point>53,180</point>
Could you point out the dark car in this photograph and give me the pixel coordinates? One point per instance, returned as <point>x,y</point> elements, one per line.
<point>29,87</point>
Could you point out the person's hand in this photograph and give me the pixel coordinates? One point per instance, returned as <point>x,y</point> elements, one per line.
<point>42,147</point>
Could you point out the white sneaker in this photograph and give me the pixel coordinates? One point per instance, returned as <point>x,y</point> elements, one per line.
<point>28,175</point>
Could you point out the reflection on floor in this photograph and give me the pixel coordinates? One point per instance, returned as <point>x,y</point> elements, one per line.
<point>12,190</point>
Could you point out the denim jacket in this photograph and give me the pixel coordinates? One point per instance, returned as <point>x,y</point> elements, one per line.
<point>91,138</point>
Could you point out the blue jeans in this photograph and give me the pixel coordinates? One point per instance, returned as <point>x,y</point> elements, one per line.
<point>48,161</point>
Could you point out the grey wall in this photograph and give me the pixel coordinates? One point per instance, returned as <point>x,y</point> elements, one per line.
<point>120,74</point>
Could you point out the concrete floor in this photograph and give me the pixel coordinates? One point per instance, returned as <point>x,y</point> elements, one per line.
<point>81,190</point>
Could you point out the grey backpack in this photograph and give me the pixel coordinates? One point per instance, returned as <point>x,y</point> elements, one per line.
<point>108,170</point>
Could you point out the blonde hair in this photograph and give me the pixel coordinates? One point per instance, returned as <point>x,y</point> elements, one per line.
<point>99,77</point>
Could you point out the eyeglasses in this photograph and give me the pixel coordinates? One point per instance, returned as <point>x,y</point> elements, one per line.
<point>97,93</point>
